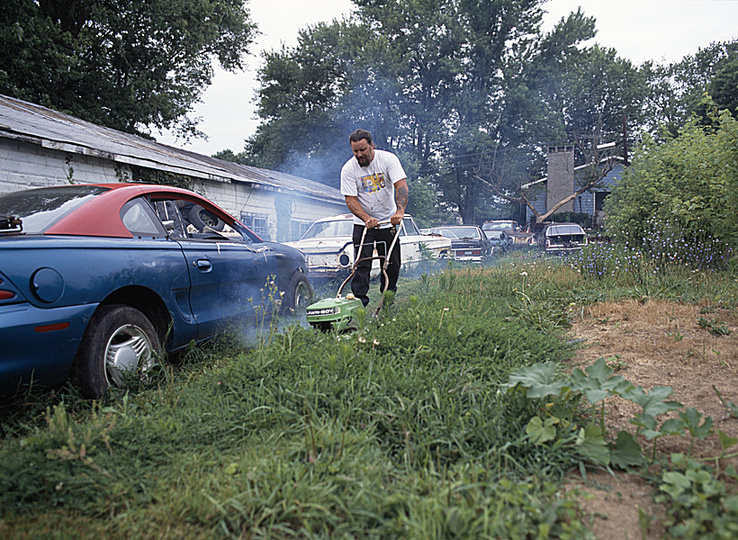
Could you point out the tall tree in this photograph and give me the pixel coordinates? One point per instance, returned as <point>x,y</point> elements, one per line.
<point>127,64</point>
<point>678,89</point>
<point>451,85</point>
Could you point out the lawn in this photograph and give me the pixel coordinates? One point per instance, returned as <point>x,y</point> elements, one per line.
<point>448,415</point>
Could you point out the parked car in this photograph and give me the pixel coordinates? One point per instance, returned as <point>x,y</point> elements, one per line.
<point>328,246</point>
<point>500,240</point>
<point>562,237</point>
<point>98,280</point>
<point>519,237</point>
<point>468,242</point>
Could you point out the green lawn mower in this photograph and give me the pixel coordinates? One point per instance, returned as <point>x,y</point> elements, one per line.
<point>337,313</point>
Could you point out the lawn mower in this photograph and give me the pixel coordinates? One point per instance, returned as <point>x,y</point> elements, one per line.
<point>338,312</point>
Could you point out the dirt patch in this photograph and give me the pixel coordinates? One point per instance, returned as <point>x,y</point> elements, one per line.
<point>691,348</point>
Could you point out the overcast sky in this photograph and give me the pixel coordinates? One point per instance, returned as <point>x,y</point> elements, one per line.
<point>640,30</point>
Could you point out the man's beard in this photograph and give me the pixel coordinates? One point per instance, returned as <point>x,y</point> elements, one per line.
<point>363,161</point>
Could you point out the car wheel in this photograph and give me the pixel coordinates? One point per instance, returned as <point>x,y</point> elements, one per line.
<point>120,343</point>
<point>298,296</point>
<point>202,219</point>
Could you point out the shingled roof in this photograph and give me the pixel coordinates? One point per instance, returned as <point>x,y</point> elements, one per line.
<point>32,123</point>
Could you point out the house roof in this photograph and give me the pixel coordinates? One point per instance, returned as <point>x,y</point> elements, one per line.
<point>612,177</point>
<point>32,123</point>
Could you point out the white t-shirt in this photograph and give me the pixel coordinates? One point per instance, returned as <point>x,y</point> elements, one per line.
<point>374,184</point>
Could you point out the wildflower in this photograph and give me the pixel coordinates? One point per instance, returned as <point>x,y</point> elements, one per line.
<point>375,342</point>
<point>362,339</point>
<point>523,273</point>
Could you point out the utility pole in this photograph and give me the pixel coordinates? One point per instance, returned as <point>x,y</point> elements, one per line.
<point>625,140</point>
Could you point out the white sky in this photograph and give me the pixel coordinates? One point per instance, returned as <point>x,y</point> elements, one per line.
<point>640,30</point>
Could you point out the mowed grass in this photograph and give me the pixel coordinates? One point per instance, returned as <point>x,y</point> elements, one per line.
<point>400,429</point>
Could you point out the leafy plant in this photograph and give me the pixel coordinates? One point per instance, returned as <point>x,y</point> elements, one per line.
<point>698,504</point>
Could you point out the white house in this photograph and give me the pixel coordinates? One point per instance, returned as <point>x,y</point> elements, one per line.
<point>42,147</point>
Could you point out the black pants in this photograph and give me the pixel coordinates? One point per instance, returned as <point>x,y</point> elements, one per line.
<point>383,239</point>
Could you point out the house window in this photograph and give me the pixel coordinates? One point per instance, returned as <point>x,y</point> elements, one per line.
<point>600,197</point>
<point>258,224</point>
<point>297,229</point>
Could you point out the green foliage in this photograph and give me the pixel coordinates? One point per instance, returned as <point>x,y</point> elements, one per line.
<point>679,88</point>
<point>129,65</point>
<point>698,503</point>
<point>397,429</point>
<point>447,415</point>
<point>684,185</point>
<point>455,88</point>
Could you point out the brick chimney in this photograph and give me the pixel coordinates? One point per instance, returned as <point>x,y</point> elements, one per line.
<point>560,181</point>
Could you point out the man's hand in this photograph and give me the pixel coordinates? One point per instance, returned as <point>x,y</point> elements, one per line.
<point>371,223</point>
<point>397,217</point>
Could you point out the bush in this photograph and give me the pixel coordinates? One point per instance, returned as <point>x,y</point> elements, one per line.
<point>685,186</point>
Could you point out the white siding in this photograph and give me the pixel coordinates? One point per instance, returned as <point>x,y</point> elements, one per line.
<point>25,165</point>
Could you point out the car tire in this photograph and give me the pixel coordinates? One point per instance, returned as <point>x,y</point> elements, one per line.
<point>203,219</point>
<point>119,342</point>
<point>298,295</point>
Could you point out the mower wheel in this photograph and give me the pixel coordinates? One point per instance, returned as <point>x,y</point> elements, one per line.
<point>322,326</point>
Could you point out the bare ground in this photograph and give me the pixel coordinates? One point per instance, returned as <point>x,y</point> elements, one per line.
<point>655,344</point>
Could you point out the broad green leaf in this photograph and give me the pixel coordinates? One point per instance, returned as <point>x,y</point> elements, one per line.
<point>539,431</point>
<point>626,452</point>
<point>675,483</point>
<point>654,403</point>
<point>726,441</point>
<point>673,426</point>
<point>539,380</point>
<point>691,418</point>
<point>591,445</point>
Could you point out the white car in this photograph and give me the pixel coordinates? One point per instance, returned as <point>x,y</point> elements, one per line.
<point>329,250</point>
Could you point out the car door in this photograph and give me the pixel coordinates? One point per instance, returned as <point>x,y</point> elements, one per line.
<point>231,275</point>
<point>410,239</point>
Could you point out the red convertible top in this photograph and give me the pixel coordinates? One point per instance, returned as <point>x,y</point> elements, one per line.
<point>101,215</point>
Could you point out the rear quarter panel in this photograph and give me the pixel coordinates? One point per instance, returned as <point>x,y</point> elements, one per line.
<point>90,269</point>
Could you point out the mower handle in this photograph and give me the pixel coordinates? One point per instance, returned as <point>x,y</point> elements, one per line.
<point>383,267</point>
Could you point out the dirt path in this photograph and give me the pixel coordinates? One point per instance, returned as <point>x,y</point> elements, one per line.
<point>656,344</point>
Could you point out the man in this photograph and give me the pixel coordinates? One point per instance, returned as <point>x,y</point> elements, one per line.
<point>375,187</point>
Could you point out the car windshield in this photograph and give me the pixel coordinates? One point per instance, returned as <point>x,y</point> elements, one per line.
<point>557,230</point>
<point>329,229</point>
<point>496,235</point>
<point>40,208</point>
<point>498,226</point>
<point>457,232</point>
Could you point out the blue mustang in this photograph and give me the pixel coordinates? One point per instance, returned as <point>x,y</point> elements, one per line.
<point>99,280</point>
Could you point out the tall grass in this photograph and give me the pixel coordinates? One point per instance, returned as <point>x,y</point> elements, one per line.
<point>398,429</point>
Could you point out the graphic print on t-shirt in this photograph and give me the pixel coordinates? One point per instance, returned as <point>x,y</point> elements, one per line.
<point>372,183</point>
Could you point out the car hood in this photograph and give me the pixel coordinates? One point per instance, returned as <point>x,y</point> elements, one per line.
<point>320,244</point>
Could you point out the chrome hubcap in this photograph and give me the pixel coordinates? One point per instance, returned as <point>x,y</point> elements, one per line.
<point>128,351</point>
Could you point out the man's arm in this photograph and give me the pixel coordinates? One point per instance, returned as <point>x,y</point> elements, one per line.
<point>402,194</point>
<point>355,208</point>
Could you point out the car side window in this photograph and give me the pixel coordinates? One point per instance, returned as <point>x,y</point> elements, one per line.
<point>171,218</point>
<point>185,219</point>
<point>139,218</point>
<point>410,229</point>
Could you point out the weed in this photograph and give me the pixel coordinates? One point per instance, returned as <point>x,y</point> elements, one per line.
<point>714,326</point>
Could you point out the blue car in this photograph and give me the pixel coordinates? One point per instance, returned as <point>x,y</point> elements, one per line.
<point>99,281</point>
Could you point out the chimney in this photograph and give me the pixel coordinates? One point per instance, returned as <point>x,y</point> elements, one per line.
<point>560,182</point>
